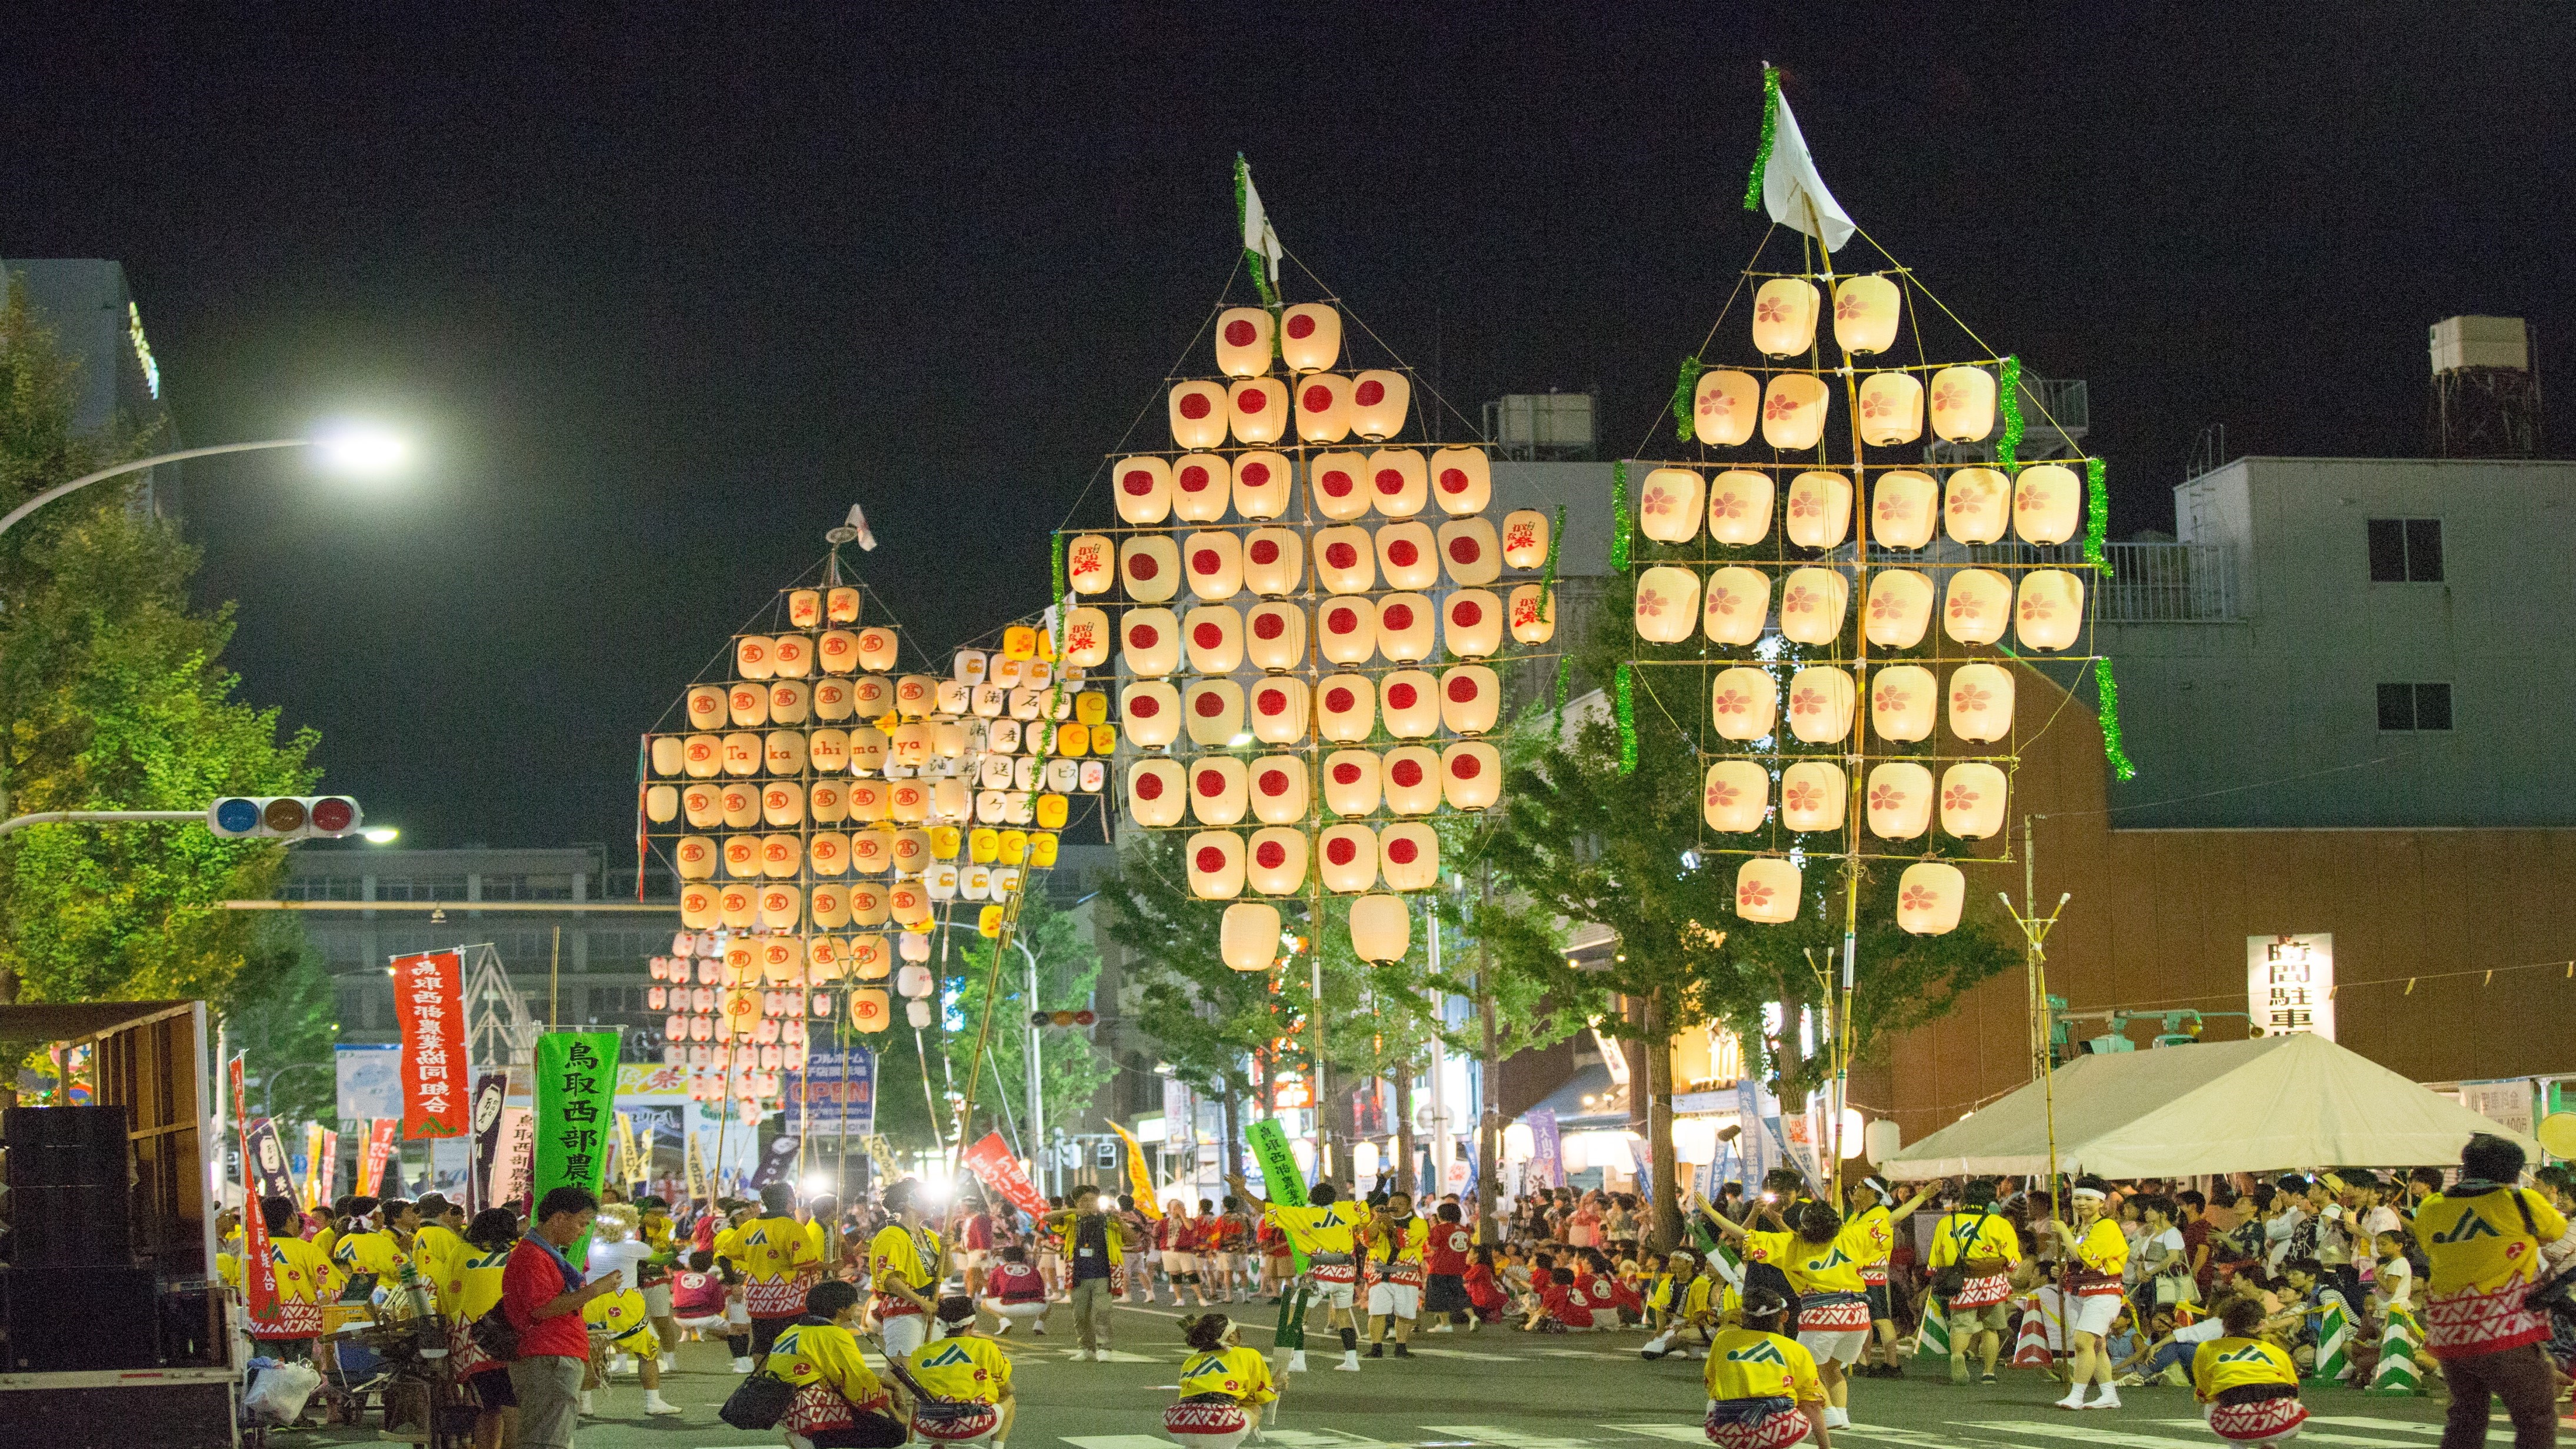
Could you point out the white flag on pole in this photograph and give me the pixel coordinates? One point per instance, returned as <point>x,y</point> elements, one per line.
<point>1257,235</point>
<point>1792,191</point>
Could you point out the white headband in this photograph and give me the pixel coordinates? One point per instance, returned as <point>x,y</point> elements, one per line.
<point>2094,1193</point>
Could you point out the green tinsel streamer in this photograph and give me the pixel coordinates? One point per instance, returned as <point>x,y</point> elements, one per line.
<point>1564,677</point>
<point>2008,451</point>
<point>2097,522</point>
<point>1626,692</point>
<point>1619,517</point>
<point>1058,568</point>
<point>2108,690</point>
<point>1683,401</point>
<point>1770,124</point>
<point>1546,604</point>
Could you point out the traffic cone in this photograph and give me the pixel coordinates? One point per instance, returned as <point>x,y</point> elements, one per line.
<point>2030,1349</point>
<point>2401,1370</point>
<point>2334,1344</point>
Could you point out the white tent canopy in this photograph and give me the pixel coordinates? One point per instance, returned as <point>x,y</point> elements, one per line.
<point>2267,1104</point>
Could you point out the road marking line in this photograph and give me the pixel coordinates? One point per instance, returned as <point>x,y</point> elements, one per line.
<point>2403,1426</point>
<point>1116,1441</point>
<point>1465,1353</point>
<point>2307,1434</point>
<point>1508,1438</point>
<point>2091,1431</point>
<point>1677,1433</point>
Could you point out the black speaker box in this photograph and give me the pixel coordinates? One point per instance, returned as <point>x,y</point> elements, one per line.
<point>63,1319</point>
<point>70,1227</point>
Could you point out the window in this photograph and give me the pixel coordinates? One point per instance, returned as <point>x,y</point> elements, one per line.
<point>426,888</point>
<point>324,888</point>
<point>2414,706</point>
<point>2405,550</point>
<point>527,887</point>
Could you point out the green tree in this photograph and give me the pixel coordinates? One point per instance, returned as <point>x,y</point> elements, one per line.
<point>1072,1070</point>
<point>279,1013</point>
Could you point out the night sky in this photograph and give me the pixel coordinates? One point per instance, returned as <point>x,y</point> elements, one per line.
<point>660,301</point>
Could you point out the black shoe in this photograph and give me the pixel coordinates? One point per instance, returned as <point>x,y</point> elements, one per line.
<point>1891,1370</point>
<point>1402,1352</point>
<point>1376,1350</point>
<point>1986,1379</point>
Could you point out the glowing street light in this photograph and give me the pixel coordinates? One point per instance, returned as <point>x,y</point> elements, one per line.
<point>351,449</point>
<point>382,835</point>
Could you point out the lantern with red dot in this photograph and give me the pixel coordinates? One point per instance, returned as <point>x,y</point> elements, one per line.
<point>1929,897</point>
<point>1086,646</point>
<point>1409,701</point>
<point>1216,865</point>
<point>1156,793</point>
<point>1275,862</point>
<point>1408,554</point>
<point>1352,779</point>
<point>1198,412</point>
<point>1214,711</point>
<point>1349,630</point>
<point>1725,405</point>
<point>1260,486</point>
<point>1278,789</point>
<point>1345,708</point>
<point>1471,775</point>
<point>1470,552</point>
<point>871,957</point>
<point>1412,780</point>
<point>1793,411</point>
<point>1274,561</point>
<point>1198,488</point>
<point>1767,890</point>
<point>1404,627</point>
<point>1399,485</point>
<point>1310,337</point>
<point>1340,485</point>
<point>1408,857</point>
<point>1462,480</point>
<point>1323,408</point>
<point>1278,710</point>
<point>1257,407</point>
<point>1213,636</point>
<point>1473,624</point>
<point>1533,613</point>
<point>1379,402</point>
<point>1243,341</point>
<point>1345,559</point>
<point>1471,699</point>
<point>1150,567</point>
<point>1349,857</point>
<point>1152,642</point>
<point>1153,714</point>
<point>1215,561</point>
<point>1381,928</point>
<point>1088,563</point>
<point>694,857</point>
<point>877,646</point>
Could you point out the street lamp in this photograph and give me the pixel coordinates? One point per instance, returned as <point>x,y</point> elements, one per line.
<point>351,450</point>
<point>381,834</point>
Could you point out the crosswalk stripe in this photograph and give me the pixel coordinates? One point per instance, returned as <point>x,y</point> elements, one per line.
<point>2091,1431</point>
<point>1311,1439</point>
<point>2308,1435</point>
<point>1677,1433</point>
<point>1908,1438</point>
<point>2402,1426</point>
<point>1508,1438</point>
<point>1116,1441</point>
<point>1466,1353</point>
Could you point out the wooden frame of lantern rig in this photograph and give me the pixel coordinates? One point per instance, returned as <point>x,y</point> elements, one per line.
<point>1682,669</point>
<point>1097,585</point>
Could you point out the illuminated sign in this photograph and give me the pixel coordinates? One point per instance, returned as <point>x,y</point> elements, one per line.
<point>142,349</point>
<point>2289,984</point>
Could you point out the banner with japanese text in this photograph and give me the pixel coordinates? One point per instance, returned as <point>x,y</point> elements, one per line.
<point>314,1170</point>
<point>697,1174</point>
<point>576,1083</point>
<point>491,1094</point>
<point>429,1001</point>
<point>380,1151</point>
<point>264,1155</point>
<point>992,1161</point>
<point>259,1269</point>
<point>1547,1149</point>
<point>517,1157</point>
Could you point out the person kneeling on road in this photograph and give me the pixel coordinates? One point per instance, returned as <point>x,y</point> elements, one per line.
<point>1223,1386</point>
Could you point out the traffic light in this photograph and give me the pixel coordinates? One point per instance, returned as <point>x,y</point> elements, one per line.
<point>285,817</point>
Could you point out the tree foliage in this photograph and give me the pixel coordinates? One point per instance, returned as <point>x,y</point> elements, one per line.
<point>279,1013</point>
<point>1072,1070</point>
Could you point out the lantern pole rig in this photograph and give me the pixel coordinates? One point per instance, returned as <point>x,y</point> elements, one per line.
<point>2034,930</point>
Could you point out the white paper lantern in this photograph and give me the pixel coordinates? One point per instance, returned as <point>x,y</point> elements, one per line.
<point>1905,508</point>
<point>1866,311</point>
<point>748,704</point>
<point>1412,780</point>
<point>702,805</point>
<point>1900,608</point>
<point>1821,699</point>
<point>868,907</point>
<point>1668,505</point>
<point>1525,538</point>
<point>1973,800</point>
<point>829,750</point>
<point>1243,341</point>
<point>1472,626</point>
<point>1726,404</point>
<point>1462,480</point>
<point>1086,643</point>
<point>742,856</point>
<point>1767,890</point>
<point>1963,403</point>
<point>706,707</point>
<point>1981,702</point>
<point>1977,606</point>
<point>868,800</point>
<point>1471,775</point>
<point>1408,702</point>
<point>783,752</point>
<point>1089,563</point>
<point>752,658</point>
<point>1408,554</point>
<point>1352,780</point>
<point>1345,708</point>
<point>1784,316</point>
<point>670,754</point>
<point>1248,937</point>
<point>1899,799</point>
<point>1150,568</point>
<point>1198,412</point>
<point>1533,614</point>
<point>828,850</point>
<point>782,802</point>
<point>908,802</point>
<point>1216,865</point>
<point>1399,485</point>
<point>1904,700</point>
<point>738,906</point>
<point>2048,504</point>
<point>662,804</point>
<point>1408,857</point>
<point>741,804</point>
<point>694,857</point>
<point>1891,409</point>
<point>697,905</point>
<point>1278,710</point>
<point>1929,897</point>
<point>1739,506</point>
<point>1470,553</point>
<point>909,904</point>
<point>1349,631</point>
<point>1310,337</point>
<point>787,701</point>
<point>1340,485</point>
<point>837,651</point>
<point>1257,409</point>
<point>1144,490</point>
<point>1152,713</point>
<point>1379,402</point>
<point>877,648</point>
<point>1667,599</point>
<point>1735,796</point>
<point>1345,559</point>
<point>1092,777</point>
<point>1323,408</point>
<point>1813,603</point>
<point>1471,699</point>
<point>1151,645</point>
<point>1213,636</point>
<point>2050,613</point>
<point>1819,510</point>
<point>870,1011</point>
<point>782,907</point>
<point>1275,863</point>
<point>1793,411</point>
<point>833,698</point>
<point>1278,789</point>
<point>1381,928</point>
<point>1260,486</point>
<point>1349,858</point>
<point>1812,796</point>
<point>1744,703</point>
<point>1736,605</point>
<point>1214,709</point>
<point>1218,792</point>
<point>1274,561</point>
<point>1404,627</point>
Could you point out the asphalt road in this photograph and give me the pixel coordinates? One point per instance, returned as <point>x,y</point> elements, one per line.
<point>1499,1390</point>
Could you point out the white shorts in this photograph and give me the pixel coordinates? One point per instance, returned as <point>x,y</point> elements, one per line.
<point>701,1325</point>
<point>1333,1295</point>
<point>1016,1312</point>
<point>737,1316</point>
<point>1220,1262</point>
<point>903,1333</point>
<point>657,1299</point>
<point>1398,1300</point>
<point>1178,1263</point>
<point>2094,1312</point>
<point>1842,1346</point>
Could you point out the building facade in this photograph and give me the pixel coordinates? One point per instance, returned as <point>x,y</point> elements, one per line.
<point>98,325</point>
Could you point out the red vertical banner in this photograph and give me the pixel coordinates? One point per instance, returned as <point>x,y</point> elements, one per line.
<point>992,1161</point>
<point>259,1270</point>
<point>429,1001</point>
<point>380,1150</point>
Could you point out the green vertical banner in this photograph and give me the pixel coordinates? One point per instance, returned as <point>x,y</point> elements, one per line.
<point>576,1084</point>
<point>1281,1182</point>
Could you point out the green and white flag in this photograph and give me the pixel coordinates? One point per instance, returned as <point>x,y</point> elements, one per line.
<point>2334,1343</point>
<point>576,1084</point>
<point>1260,242</point>
<point>2400,1371</point>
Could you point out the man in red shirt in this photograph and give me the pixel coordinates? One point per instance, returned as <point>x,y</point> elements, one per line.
<point>542,1296</point>
<point>976,1244</point>
<point>1444,1269</point>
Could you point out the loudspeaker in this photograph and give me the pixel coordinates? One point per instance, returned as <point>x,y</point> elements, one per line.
<point>71,1227</point>
<point>62,1319</point>
<point>65,1146</point>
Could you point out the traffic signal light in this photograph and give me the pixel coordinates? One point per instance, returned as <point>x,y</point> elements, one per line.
<point>285,817</point>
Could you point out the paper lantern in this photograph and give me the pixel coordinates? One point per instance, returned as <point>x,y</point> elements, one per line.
<point>1155,793</point>
<point>1533,614</point>
<point>1813,602</point>
<point>1981,702</point>
<point>914,982</point>
<point>1243,341</point>
<point>1978,605</point>
<point>748,704</point>
<point>1812,796</point>
<point>829,750</point>
<point>910,747</point>
<point>870,957</point>
<point>1972,800</point>
<point>1819,510</point>
<point>1379,402</point>
<point>1278,710</point>
<point>1470,553</point>
<point>1471,775</point>
<point>972,666</point>
<point>1260,489</point>
<point>2048,504</point>
<point>1404,632</point>
<point>703,805</point>
<point>1408,857</point>
<point>787,701</point>
<point>1899,608</point>
<point>1310,337</point>
<point>1198,413</point>
<point>1275,863</point>
<point>2050,613</point>
<point>1866,311</point>
<point>1086,641</point>
<point>670,754</point>
<point>1929,897</point>
<point>1352,779</point>
<point>871,696</point>
<point>1471,699</point>
<point>833,699</point>
<point>662,804</point>
<point>909,904</point>
<point>702,756</point>
<point>953,697</point>
<point>1408,554</point>
<point>1144,489</point>
<point>1381,928</point>
<point>1278,789</point>
<point>1793,411</point>
<point>877,647</point>
<point>1409,702</point>
<point>868,800</point>
<point>1349,631</point>
<point>741,803</point>
<point>1899,800</point>
<point>697,905</point>
<point>1248,936</point>
<point>1462,480</point>
<point>950,799</point>
<point>1891,409</point>
<point>751,657</point>
<point>1726,404</point>
<point>908,802</point>
<point>1042,852</point>
<point>738,906</point>
<point>1345,708</point>
<point>1821,699</point>
<point>1904,700</point>
<point>1090,706</point>
<point>829,851</point>
<point>1088,562</point>
<point>694,857</point>
<point>742,856</point>
<point>1213,711</point>
<point>1345,559</point>
<point>1349,858</point>
<point>1744,703</point>
<point>1323,408</point>
<point>1784,316</point>
<point>1963,403</point>
<point>1399,485</point>
<point>1257,409</point>
<point>1735,796</point>
<point>793,655</point>
<point>1094,774</point>
<point>1152,643</point>
<point>1905,506</point>
<point>1667,597</point>
<point>1274,561</point>
<point>872,851</point>
<point>1412,780</point>
<point>1216,865</point>
<point>1150,567</point>
<point>1668,505</point>
<point>782,907</point>
<point>915,696</point>
<point>1737,604</point>
<point>1340,489</point>
<point>838,652</point>
<point>1525,538</point>
<point>1767,890</point>
<point>783,752</point>
<point>782,802</point>
<point>1472,624</point>
<point>1213,637</point>
<point>869,1009</point>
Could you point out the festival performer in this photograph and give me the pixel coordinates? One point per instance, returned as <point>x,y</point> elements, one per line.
<point>1397,1241</point>
<point>1016,1292</point>
<point>2101,1253</point>
<point>439,1252</point>
<point>1097,1256</point>
<point>653,1275</point>
<point>1974,1252</point>
<point>1764,1391</point>
<point>1234,1261</point>
<point>1326,1230</point>
<point>618,1323</point>
<point>378,1250</point>
<point>1562,1306</point>
<point>1177,1238</point>
<point>1223,1386</point>
<point>306,1280</point>
<point>2247,1386</point>
<point>839,1403</point>
<point>1822,1259</point>
<point>1871,1203</point>
<point>903,1267</point>
<point>1444,1272</point>
<point>488,1241</point>
<point>778,1261</point>
<point>2484,1237</point>
<point>698,1298</point>
<point>965,1382</point>
<point>1484,1289</point>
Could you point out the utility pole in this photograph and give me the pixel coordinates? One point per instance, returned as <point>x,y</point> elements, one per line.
<point>1039,1151</point>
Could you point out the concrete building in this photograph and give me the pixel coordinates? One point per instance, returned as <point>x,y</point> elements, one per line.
<point>99,326</point>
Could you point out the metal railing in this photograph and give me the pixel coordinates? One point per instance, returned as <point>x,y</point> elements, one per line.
<point>2149,583</point>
